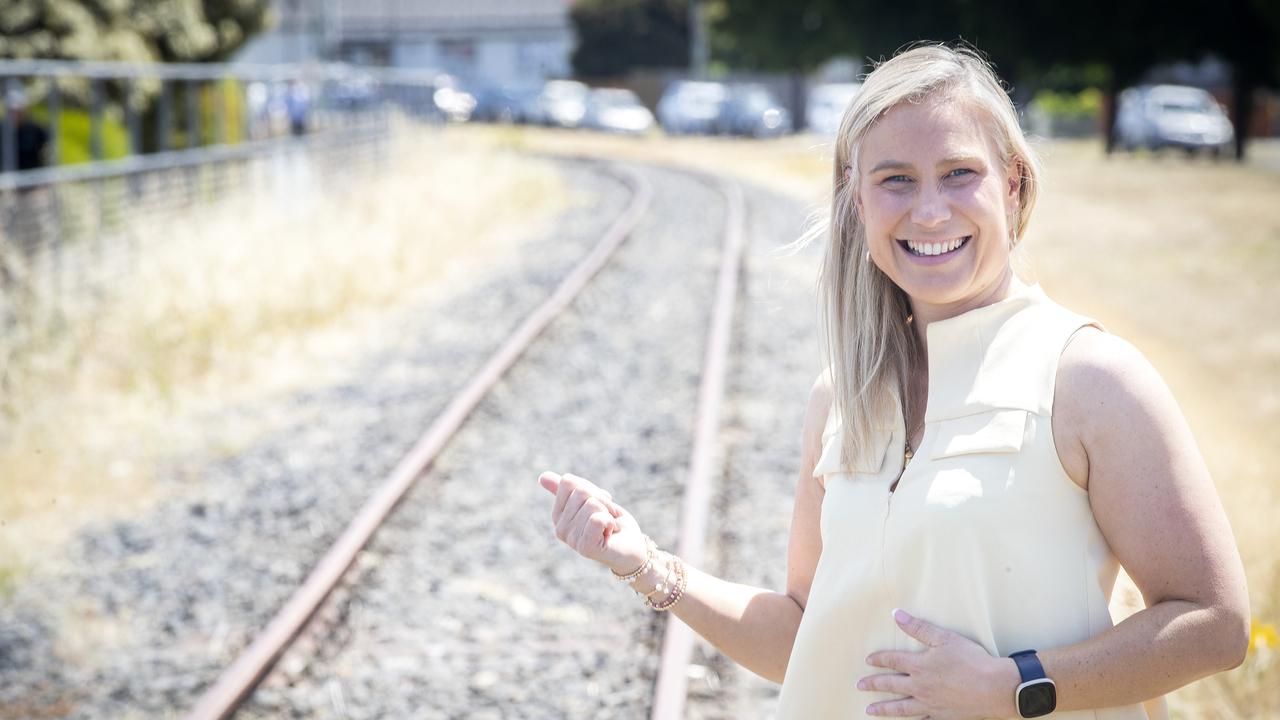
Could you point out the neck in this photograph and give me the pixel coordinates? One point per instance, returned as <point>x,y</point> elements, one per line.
<point>925,313</point>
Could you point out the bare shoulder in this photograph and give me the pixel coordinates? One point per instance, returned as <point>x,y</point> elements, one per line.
<point>821,395</point>
<point>1106,389</point>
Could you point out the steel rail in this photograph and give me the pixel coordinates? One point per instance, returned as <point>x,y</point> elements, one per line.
<point>242,677</point>
<point>672,687</point>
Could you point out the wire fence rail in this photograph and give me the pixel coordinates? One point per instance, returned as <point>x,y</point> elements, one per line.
<point>91,154</point>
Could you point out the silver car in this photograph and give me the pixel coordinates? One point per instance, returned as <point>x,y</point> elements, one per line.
<point>691,106</point>
<point>1159,116</point>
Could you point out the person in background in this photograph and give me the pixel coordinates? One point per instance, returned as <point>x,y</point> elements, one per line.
<point>297,101</point>
<point>30,138</point>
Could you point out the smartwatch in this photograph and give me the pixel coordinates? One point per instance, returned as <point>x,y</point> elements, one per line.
<point>1037,695</point>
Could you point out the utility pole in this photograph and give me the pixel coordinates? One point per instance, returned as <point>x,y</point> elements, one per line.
<point>698,52</point>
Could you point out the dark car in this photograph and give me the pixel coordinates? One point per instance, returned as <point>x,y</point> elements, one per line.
<point>753,111</point>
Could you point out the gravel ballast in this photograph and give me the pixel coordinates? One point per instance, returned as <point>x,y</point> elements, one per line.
<point>141,614</point>
<point>464,605</point>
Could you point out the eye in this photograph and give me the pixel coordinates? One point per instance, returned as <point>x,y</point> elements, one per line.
<point>897,179</point>
<point>959,173</point>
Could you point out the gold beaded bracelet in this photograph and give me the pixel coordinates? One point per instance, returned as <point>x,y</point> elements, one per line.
<point>663,586</point>
<point>677,592</point>
<point>649,554</point>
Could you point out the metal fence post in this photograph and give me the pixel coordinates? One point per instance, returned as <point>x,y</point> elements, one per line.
<point>164,117</point>
<point>95,118</point>
<point>55,122</point>
<point>9,124</point>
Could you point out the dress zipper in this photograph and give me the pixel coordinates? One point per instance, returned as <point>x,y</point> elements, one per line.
<point>893,487</point>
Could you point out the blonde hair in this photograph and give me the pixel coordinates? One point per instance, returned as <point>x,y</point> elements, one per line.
<point>870,346</point>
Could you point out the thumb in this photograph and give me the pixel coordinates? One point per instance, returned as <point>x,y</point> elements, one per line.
<point>550,481</point>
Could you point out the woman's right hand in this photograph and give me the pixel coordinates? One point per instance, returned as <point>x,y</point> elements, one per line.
<point>588,521</point>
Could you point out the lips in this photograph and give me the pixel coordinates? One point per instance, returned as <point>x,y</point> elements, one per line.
<point>922,248</point>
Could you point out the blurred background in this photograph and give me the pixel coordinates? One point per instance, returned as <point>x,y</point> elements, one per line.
<point>205,203</point>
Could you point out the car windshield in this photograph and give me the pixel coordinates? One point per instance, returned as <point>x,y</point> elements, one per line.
<point>700,93</point>
<point>755,99</point>
<point>615,98</point>
<point>1186,104</point>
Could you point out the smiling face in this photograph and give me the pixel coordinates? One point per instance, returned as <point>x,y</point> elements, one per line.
<point>936,199</point>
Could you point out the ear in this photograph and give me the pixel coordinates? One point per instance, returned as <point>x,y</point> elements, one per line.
<point>1015,182</point>
<point>854,192</point>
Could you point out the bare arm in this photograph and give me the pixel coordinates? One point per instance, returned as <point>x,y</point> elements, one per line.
<point>1155,503</point>
<point>753,626</point>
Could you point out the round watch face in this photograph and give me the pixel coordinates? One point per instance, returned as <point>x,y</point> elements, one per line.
<point>1036,698</point>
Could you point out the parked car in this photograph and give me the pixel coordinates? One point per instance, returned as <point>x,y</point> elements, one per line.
<point>691,106</point>
<point>358,92</point>
<point>1159,116</point>
<point>453,100</point>
<point>826,105</point>
<point>753,111</point>
<point>509,104</point>
<point>617,110</point>
<point>562,103</point>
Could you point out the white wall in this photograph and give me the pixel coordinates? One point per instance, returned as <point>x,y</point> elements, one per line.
<point>280,47</point>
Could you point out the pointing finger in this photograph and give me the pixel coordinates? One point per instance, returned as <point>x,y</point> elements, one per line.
<point>550,481</point>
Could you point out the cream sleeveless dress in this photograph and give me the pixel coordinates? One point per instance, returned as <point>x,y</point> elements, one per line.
<point>985,535</point>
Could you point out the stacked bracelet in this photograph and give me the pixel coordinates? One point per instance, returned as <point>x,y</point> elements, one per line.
<point>650,551</point>
<point>676,591</point>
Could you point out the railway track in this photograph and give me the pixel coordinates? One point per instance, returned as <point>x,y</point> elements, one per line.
<point>236,685</point>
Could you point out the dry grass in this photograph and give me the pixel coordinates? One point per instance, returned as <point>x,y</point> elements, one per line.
<point>1181,258</point>
<point>229,304</point>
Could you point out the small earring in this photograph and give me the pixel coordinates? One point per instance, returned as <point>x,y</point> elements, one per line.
<point>866,256</point>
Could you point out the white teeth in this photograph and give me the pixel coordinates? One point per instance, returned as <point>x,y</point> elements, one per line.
<point>934,248</point>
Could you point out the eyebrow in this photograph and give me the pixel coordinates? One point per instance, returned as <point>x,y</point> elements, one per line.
<point>949,160</point>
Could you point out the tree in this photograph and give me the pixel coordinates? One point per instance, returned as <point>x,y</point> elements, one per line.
<point>1025,39</point>
<point>129,30</point>
<point>615,36</point>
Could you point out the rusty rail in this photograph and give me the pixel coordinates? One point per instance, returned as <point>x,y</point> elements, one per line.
<point>239,680</point>
<point>672,687</point>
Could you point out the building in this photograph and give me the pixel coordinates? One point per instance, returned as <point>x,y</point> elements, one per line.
<point>500,41</point>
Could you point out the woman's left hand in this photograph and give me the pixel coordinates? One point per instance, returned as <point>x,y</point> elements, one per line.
<point>953,678</point>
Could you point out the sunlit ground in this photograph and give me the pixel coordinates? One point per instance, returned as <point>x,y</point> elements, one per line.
<point>1179,257</point>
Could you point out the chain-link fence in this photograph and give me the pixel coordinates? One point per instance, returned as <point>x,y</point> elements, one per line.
<point>98,157</point>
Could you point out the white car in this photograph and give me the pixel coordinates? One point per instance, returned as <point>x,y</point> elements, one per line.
<point>826,105</point>
<point>1159,116</point>
<point>563,103</point>
<point>617,110</point>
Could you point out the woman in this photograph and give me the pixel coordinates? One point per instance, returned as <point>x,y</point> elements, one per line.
<point>976,464</point>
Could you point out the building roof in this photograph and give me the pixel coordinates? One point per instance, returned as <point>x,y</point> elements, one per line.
<point>449,16</point>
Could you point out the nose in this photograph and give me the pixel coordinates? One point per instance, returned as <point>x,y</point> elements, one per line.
<point>930,209</point>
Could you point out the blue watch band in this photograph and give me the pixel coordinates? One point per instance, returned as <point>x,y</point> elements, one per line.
<point>1029,666</point>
